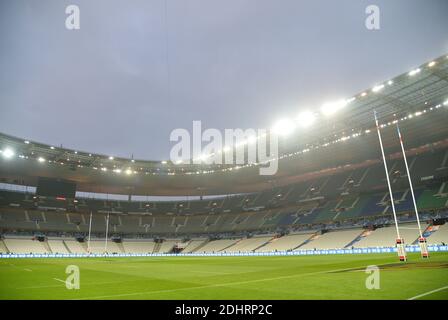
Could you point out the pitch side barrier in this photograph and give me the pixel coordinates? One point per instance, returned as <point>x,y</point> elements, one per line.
<point>432,248</point>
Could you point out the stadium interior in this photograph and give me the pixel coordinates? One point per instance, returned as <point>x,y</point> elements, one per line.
<point>330,191</point>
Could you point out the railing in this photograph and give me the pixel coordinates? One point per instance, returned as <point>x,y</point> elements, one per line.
<point>409,249</point>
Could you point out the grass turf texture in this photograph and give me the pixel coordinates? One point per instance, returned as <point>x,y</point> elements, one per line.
<point>293,277</point>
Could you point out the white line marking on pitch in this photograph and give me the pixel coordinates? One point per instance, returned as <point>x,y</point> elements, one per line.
<point>428,293</point>
<point>59,280</point>
<point>211,272</point>
<point>211,285</point>
<point>27,270</point>
<point>39,287</point>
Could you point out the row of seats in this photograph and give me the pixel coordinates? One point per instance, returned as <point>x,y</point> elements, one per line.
<point>356,238</point>
<point>314,212</point>
<point>355,181</point>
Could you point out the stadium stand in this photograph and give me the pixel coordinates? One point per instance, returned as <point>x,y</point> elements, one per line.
<point>75,246</point>
<point>217,245</point>
<point>249,244</point>
<point>285,243</point>
<point>440,236</point>
<point>23,245</point>
<point>167,246</point>
<point>386,236</point>
<point>194,245</point>
<point>57,246</point>
<point>333,240</point>
<point>134,246</point>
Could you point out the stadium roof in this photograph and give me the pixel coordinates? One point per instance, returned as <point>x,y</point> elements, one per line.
<point>343,134</point>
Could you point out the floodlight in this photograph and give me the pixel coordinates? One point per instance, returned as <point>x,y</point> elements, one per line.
<point>8,153</point>
<point>40,159</point>
<point>283,127</point>
<point>414,72</point>
<point>377,88</point>
<point>252,139</point>
<point>330,108</point>
<point>306,119</point>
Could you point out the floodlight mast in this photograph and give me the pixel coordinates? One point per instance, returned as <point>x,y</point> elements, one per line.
<point>399,241</point>
<point>421,240</point>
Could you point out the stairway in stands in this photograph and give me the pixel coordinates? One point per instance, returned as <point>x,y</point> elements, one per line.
<point>157,247</point>
<point>66,247</point>
<point>3,247</point>
<point>364,234</point>
<point>121,247</point>
<point>47,246</point>
<point>201,245</point>
<point>265,243</point>
<point>313,237</point>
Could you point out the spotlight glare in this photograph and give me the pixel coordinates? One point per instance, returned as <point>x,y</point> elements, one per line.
<point>8,153</point>
<point>40,159</point>
<point>306,119</point>
<point>414,72</point>
<point>251,139</point>
<point>377,88</point>
<point>283,127</point>
<point>330,108</point>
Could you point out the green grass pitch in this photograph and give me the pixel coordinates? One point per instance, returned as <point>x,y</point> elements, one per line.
<point>275,277</point>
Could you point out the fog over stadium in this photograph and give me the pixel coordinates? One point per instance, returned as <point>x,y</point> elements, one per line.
<point>136,71</point>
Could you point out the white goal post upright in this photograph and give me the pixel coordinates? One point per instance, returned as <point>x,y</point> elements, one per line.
<point>90,230</point>
<point>421,240</point>
<point>399,241</point>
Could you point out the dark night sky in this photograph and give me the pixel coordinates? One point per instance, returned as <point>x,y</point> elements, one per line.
<point>138,69</point>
